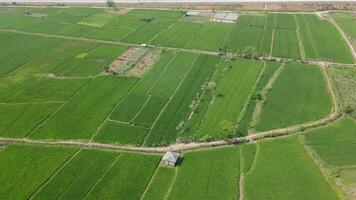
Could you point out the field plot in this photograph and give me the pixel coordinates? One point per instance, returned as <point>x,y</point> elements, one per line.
<point>245,122</point>
<point>335,143</point>
<point>136,98</point>
<point>345,81</point>
<point>127,178</point>
<point>91,62</point>
<point>347,23</point>
<point>78,176</point>
<point>171,122</point>
<point>16,50</point>
<point>209,174</point>
<point>178,35</point>
<point>97,19</point>
<point>321,40</point>
<point>54,59</point>
<point>210,37</point>
<point>298,95</point>
<point>23,169</point>
<point>78,118</point>
<point>282,170</point>
<point>249,35</point>
<point>232,94</point>
<point>159,186</point>
<point>18,120</point>
<point>11,85</point>
<point>49,89</point>
<point>121,133</point>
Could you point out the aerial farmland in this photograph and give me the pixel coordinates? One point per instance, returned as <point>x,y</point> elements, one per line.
<point>119,102</point>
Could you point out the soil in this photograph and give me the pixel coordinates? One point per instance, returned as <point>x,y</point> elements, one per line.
<point>117,11</point>
<point>117,62</point>
<point>144,64</point>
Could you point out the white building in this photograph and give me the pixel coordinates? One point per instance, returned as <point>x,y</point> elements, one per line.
<point>171,158</point>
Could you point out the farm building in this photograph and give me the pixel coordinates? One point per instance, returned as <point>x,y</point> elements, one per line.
<point>171,158</point>
<point>192,13</point>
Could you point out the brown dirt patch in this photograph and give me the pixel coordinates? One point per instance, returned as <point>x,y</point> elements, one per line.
<point>119,60</point>
<point>117,11</point>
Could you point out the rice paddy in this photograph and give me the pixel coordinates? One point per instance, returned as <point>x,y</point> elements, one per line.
<point>210,81</point>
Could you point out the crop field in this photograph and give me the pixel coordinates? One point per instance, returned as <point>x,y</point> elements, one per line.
<point>231,96</point>
<point>335,143</point>
<point>347,22</point>
<point>322,40</point>
<point>299,94</point>
<point>282,170</point>
<point>91,98</point>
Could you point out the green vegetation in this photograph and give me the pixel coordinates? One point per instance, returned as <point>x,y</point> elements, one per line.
<point>248,152</point>
<point>321,40</point>
<point>178,35</point>
<point>121,133</point>
<point>76,178</point>
<point>335,143</point>
<point>172,121</point>
<point>208,174</point>
<point>299,95</point>
<point>346,21</point>
<point>159,186</point>
<point>283,170</point>
<point>210,37</point>
<point>127,178</point>
<point>135,99</point>
<point>49,89</point>
<point>150,111</point>
<point>230,98</point>
<point>18,120</point>
<point>268,71</point>
<point>79,118</point>
<point>285,44</point>
<point>24,168</point>
<point>345,81</point>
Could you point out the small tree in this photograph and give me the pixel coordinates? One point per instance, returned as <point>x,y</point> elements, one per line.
<point>110,3</point>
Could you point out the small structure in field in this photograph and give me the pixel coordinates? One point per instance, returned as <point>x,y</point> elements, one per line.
<point>225,17</point>
<point>171,158</point>
<point>192,13</point>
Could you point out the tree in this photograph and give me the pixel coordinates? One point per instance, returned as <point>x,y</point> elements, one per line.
<point>110,3</point>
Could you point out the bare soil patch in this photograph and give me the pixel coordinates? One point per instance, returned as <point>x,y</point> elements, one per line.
<point>117,11</point>
<point>135,61</point>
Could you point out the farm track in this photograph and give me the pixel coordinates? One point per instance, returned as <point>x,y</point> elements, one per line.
<point>179,146</point>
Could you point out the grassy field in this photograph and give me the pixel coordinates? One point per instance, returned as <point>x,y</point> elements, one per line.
<point>136,98</point>
<point>345,81</point>
<point>121,133</point>
<point>282,170</point>
<point>321,40</point>
<point>298,95</point>
<point>209,174</point>
<point>78,176</point>
<point>25,168</point>
<point>231,95</point>
<point>347,23</point>
<point>335,143</point>
<point>127,178</point>
<point>267,73</point>
<point>159,186</point>
<point>57,93</point>
<point>172,119</point>
<point>78,118</point>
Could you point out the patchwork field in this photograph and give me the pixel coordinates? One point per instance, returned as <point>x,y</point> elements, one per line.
<point>90,98</point>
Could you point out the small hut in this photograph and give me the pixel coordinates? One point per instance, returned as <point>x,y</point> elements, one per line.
<point>171,158</point>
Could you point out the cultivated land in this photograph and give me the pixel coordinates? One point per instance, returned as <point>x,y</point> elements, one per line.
<point>68,121</point>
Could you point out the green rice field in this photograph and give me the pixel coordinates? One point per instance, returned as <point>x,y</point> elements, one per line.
<point>91,98</point>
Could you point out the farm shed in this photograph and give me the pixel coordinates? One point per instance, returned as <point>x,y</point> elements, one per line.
<point>171,158</point>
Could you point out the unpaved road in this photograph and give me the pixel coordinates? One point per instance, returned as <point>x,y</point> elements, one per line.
<point>170,1</point>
